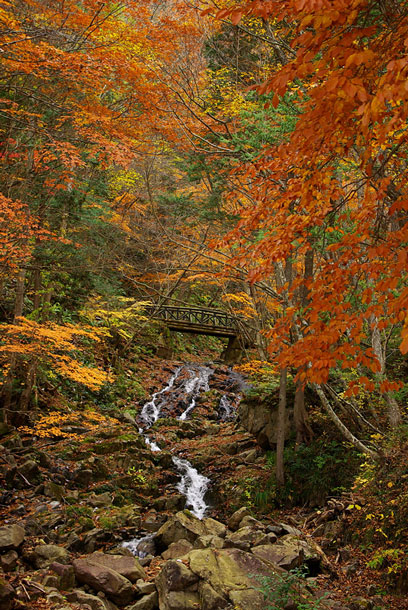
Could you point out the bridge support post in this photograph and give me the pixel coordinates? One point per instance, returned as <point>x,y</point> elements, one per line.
<point>166,344</point>
<point>233,352</point>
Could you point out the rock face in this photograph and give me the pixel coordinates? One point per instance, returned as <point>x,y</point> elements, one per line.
<point>213,579</point>
<point>11,536</point>
<point>102,578</point>
<point>260,419</point>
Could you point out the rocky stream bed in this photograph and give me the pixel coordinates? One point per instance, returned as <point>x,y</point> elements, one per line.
<point>148,511</point>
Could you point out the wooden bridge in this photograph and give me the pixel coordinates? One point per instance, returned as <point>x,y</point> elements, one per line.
<point>202,321</point>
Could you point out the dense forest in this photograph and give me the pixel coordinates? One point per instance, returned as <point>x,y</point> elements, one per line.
<point>203,256</point>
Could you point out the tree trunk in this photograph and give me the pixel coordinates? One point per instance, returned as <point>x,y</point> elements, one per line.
<point>304,432</point>
<point>394,411</point>
<point>339,424</point>
<point>280,429</point>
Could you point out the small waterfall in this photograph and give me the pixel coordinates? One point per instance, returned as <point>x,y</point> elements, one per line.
<point>151,410</point>
<point>226,410</point>
<point>193,486</point>
<point>197,383</point>
<point>140,547</point>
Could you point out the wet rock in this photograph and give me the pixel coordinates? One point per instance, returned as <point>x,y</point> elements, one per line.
<point>177,549</point>
<point>148,602</point>
<point>102,578</point>
<point>129,567</point>
<point>11,536</point>
<point>236,518</point>
<point>8,561</point>
<point>45,554</point>
<point>7,594</point>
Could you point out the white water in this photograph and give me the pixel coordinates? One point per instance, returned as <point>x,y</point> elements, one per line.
<point>193,486</point>
<point>197,383</point>
<point>225,409</point>
<point>151,410</point>
<point>137,546</point>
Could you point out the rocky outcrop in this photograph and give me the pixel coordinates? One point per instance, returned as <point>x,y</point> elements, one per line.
<point>260,419</point>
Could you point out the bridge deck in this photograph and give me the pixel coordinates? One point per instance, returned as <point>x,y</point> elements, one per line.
<point>195,320</point>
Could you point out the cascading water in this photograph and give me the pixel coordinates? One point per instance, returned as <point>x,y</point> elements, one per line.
<point>140,547</point>
<point>226,410</point>
<point>193,486</point>
<point>196,384</point>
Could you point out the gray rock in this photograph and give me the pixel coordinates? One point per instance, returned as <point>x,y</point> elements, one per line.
<point>185,525</point>
<point>144,588</point>
<point>126,566</point>
<point>286,556</point>
<point>236,518</point>
<point>102,578</point>
<point>11,536</point>
<point>45,554</point>
<point>85,599</point>
<point>66,576</point>
<point>148,602</point>
<point>204,542</point>
<point>210,599</point>
<point>177,549</point>
<point>8,561</point>
<point>30,471</point>
<point>7,594</point>
<point>175,576</point>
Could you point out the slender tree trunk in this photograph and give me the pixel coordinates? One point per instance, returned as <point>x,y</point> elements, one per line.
<point>280,429</point>
<point>339,424</point>
<point>304,432</point>
<point>394,411</point>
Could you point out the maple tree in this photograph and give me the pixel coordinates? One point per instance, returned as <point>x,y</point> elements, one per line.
<point>332,199</point>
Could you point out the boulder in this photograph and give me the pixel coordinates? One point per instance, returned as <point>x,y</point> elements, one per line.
<point>287,556</point>
<point>147,602</point>
<point>228,569</point>
<point>30,471</point>
<point>85,599</point>
<point>126,566</point>
<point>45,554</point>
<point>66,576</point>
<point>244,538</point>
<point>236,518</point>
<point>177,587</point>
<point>8,561</point>
<point>144,588</point>
<point>102,578</point>
<point>204,542</point>
<point>7,594</point>
<point>210,599</point>
<point>249,521</point>
<point>185,525</point>
<point>11,536</point>
<point>175,576</point>
<point>177,549</point>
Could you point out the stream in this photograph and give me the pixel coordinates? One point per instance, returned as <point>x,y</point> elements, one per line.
<point>186,383</point>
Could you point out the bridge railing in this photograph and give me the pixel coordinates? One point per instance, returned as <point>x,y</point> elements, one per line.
<point>193,315</point>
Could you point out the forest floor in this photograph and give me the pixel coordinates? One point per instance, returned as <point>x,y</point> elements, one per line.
<point>87,481</point>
